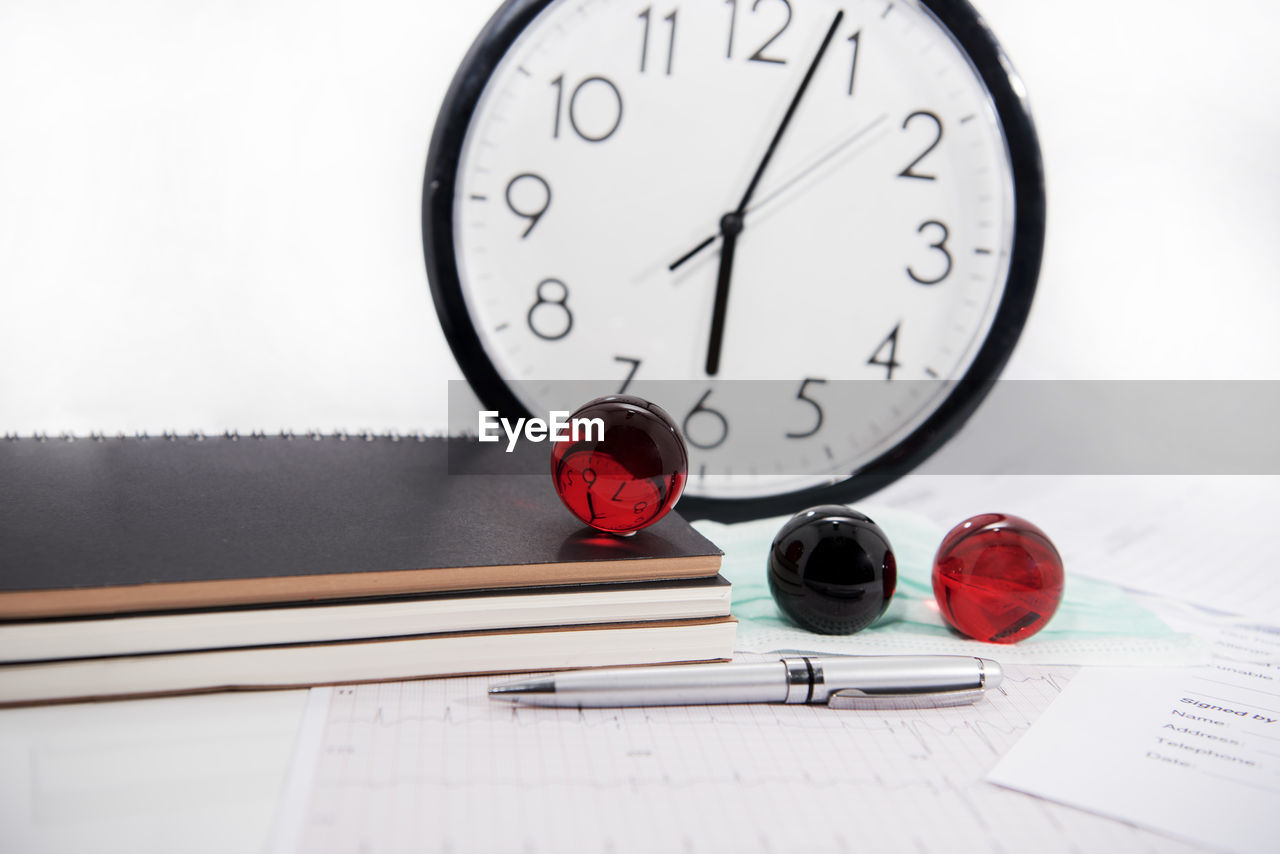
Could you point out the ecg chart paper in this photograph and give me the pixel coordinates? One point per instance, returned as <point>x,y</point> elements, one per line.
<point>436,766</point>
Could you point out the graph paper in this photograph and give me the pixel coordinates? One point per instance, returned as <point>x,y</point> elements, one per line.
<point>435,766</point>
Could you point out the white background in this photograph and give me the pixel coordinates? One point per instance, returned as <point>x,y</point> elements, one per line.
<point>209,219</point>
<point>209,211</point>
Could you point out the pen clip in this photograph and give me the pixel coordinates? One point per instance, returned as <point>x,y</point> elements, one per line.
<point>853,698</point>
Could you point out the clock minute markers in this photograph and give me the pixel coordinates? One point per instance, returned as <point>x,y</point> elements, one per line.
<point>731,224</point>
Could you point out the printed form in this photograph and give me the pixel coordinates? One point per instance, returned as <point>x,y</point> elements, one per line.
<point>1193,752</point>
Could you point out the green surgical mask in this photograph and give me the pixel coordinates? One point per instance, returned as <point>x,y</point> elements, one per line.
<point>1097,622</point>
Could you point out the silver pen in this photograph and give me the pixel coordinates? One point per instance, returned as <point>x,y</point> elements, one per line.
<point>840,681</point>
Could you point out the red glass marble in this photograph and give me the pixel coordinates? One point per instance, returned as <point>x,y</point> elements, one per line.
<point>629,479</point>
<point>997,578</point>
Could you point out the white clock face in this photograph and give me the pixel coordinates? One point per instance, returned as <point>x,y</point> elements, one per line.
<point>858,271</point>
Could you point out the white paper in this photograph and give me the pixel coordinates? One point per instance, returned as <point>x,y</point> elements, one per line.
<point>435,766</point>
<point>1192,752</point>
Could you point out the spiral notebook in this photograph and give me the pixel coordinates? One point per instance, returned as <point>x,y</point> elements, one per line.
<point>125,525</point>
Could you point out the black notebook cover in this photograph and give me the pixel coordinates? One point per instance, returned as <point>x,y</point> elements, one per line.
<point>134,524</point>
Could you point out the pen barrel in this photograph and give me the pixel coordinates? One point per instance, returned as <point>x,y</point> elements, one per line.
<point>898,674</point>
<point>677,685</point>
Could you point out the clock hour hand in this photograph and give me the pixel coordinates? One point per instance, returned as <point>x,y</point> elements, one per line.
<point>730,228</point>
<point>731,224</point>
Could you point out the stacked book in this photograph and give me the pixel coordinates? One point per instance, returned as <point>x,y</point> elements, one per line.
<point>146,566</point>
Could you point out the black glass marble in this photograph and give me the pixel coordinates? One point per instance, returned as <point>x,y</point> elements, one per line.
<point>831,569</point>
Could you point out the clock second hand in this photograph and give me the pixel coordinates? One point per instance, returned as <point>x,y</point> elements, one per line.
<point>731,223</point>
<point>786,185</point>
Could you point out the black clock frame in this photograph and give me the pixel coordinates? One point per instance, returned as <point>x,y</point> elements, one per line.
<point>977,41</point>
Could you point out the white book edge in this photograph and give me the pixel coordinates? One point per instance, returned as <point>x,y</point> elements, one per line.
<point>367,661</point>
<point>206,630</point>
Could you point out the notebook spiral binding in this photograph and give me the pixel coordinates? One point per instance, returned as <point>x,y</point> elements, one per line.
<point>230,435</point>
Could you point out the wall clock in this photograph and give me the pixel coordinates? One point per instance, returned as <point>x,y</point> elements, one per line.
<point>809,229</point>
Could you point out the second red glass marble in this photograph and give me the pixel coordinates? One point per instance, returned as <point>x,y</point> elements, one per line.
<point>997,578</point>
<point>629,479</point>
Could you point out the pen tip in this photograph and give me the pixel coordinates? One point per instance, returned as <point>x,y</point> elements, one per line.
<point>513,690</point>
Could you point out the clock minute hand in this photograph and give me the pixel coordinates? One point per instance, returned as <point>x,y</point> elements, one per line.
<point>731,224</point>
<point>791,109</point>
